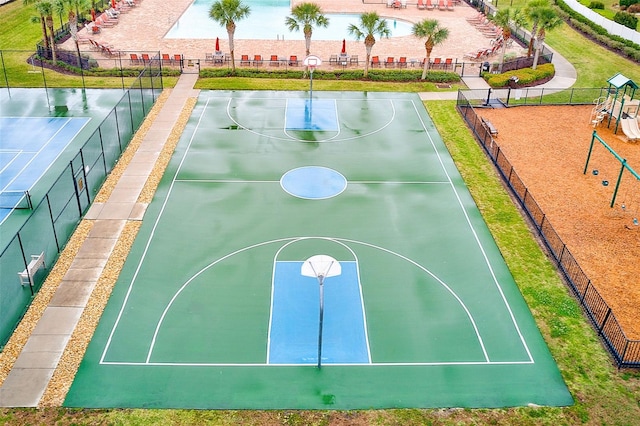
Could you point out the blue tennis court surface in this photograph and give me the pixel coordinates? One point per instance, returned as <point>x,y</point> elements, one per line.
<point>30,145</point>
<point>293,335</point>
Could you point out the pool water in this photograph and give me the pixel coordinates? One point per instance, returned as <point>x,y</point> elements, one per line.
<point>266,22</point>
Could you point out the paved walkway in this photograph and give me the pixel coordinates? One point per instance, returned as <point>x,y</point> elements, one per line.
<point>28,380</point>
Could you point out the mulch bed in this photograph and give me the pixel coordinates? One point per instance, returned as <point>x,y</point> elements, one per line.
<point>548,147</point>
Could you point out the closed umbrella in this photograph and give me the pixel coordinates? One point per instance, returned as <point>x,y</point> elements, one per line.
<point>113,4</point>
<point>93,15</point>
<point>344,47</point>
<point>217,44</point>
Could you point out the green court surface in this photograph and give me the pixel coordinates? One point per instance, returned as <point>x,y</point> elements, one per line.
<point>211,309</point>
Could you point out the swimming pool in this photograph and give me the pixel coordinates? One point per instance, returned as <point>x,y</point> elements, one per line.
<point>196,24</point>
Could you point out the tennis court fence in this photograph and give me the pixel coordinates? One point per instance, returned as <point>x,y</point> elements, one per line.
<point>625,352</point>
<point>54,218</point>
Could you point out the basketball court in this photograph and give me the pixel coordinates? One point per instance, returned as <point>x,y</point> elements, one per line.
<point>313,252</point>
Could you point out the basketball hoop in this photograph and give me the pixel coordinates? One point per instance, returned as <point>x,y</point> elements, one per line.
<point>311,62</point>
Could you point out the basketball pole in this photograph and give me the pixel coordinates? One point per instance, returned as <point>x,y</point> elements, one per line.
<point>321,283</point>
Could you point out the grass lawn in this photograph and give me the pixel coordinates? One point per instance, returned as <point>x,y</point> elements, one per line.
<point>603,395</point>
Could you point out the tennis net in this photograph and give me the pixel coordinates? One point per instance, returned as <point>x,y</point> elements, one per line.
<point>15,200</point>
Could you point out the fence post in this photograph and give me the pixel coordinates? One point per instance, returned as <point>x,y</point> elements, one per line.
<point>53,222</point>
<point>24,259</point>
<point>604,321</point>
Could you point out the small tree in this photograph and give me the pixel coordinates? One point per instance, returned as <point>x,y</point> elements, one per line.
<point>549,20</point>
<point>505,19</point>
<point>434,33</point>
<point>306,16</point>
<point>533,11</point>
<point>226,13</point>
<point>73,6</point>
<point>371,24</point>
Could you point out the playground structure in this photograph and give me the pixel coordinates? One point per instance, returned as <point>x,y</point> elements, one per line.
<point>620,106</point>
<point>631,195</point>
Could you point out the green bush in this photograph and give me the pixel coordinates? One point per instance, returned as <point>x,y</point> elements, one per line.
<point>626,19</point>
<point>627,3</point>
<point>525,76</point>
<point>357,74</point>
<point>596,5</point>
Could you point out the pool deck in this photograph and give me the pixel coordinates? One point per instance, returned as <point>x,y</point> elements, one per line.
<point>142,29</point>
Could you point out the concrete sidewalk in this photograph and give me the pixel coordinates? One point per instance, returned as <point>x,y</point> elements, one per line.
<point>30,375</point>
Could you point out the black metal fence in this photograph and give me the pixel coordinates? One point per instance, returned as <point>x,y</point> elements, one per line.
<point>53,220</point>
<point>625,352</point>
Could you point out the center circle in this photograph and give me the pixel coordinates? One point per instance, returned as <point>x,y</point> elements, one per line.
<point>313,182</point>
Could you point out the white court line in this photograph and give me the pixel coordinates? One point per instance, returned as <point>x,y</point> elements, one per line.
<point>371,364</point>
<point>14,158</point>
<point>477,239</point>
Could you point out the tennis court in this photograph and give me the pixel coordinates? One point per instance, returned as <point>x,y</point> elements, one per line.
<point>213,310</point>
<point>41,130</point>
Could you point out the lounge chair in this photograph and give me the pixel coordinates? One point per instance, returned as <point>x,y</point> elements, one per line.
<point>274,62</point>
<point>390,62</point>
<point>244,60</point>
<point>208,57</point>
<point>421,5</point>
<point>145,58</point>
<point>353,60</point>
<point>437,63</point>
<point>166,59</point>
<point>375,62</point>
<point>402,62</point>
<point>403,3</point>
<point>441,5</point>
<point>293,61</point>
<point>333,60</point>
<point>177,59</point>
<point>448,63</point>
<point>430,5</point>
<point>449,4</point>
<point>257,60</point>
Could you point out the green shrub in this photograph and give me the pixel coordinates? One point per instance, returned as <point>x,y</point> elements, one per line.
<point>596,5</point>
<point>357,74</point>
<point>627,3</point>
<point>525,76</point>
<point>626,19</point>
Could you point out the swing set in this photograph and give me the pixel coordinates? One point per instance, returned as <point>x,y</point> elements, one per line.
<point>633,203</point>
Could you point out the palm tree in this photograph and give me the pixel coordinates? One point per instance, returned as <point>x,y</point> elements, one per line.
<point>46,9</point>
<point>549,20</point>
<point>434,33</point>
<point>41,19</point>
<point>505,18</point>
<point>371,24</point>
<point>306,15</point>
<point>74,6</point>
<point>225,13</point>
<point>533,11</point>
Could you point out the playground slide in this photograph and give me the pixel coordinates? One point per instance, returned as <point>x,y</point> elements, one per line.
<point>630,128</point>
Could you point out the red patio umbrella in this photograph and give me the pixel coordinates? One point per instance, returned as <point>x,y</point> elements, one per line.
<point>93,15</point>
<point>113,4</point>
<point>217,44</point>
<point>344,46</point>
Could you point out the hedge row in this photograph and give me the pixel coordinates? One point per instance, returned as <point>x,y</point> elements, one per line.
<point>525,76</point>
<point>374,75</point>
<point>598,33</point>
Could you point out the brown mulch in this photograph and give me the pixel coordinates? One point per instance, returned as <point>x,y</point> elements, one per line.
<point>548,147</point>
